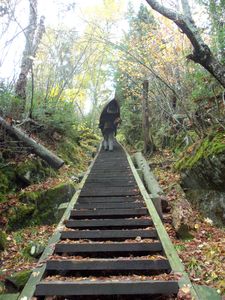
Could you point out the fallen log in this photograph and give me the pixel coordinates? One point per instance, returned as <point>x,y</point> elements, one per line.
<point>53,160</point>
<point>149,178</point>
<point>150,182</point>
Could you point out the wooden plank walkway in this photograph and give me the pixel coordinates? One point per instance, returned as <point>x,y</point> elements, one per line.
<point>107,244</point>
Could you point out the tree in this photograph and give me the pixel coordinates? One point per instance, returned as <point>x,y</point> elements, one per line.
<point>201,51</point>
<point>33,34</point>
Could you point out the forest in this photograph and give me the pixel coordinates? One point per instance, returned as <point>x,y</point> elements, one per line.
<point>61,62</point>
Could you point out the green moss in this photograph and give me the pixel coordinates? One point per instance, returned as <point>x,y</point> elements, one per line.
<point>45,203</point>
<point>34,171</point>
<point>7,181</point>
<point>3,240</point>
<point>213,144</point>
<point>4,182</point>
<point>30,197</point>
<point>49,201</point>
<point>20,216</point>
<point>68,150</point>
<point>19,279</point>
<point>179,143</point>
<point>2,287</point>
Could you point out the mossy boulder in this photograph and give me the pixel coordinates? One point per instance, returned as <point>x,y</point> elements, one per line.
<point>33,171</point>
<point>3,240</point>
<point>49,201</point>
<point>20,216</point>
<point>4,182</point>
<point>39,207</point>
<point>7,181</point>
<point>202,169</point>
<point>19,279</point>
<point>203,165</point>
<point>208,148</point>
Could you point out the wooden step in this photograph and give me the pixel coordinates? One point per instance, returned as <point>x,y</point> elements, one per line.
<point>106,288</point>
<point>109,191</point>
<point>108,234</point>
<point>108,247</point>
<point>108,199</point>
<point>107,265</point>
<point>105,205</point>
<point>108,223</point>
<point>111,184</point>
<point>109,212</point>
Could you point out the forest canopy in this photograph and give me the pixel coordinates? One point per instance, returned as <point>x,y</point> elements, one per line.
<point>73,57</point>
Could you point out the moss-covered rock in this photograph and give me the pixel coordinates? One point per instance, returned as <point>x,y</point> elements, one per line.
<point>34,171</point>
<point>212,145</point>
<point>4,182</point>
<point>202,170</point>
<point>20,216</point>
<point>3,240</point>
<point>7,181</point>
<point>19,279</point>
<point>49,201</point>
<point>39,207</point>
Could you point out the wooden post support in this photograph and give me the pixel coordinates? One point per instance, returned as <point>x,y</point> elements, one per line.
<point>53,160</point>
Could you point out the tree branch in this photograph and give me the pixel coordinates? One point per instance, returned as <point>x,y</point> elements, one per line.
<point>201,52</point>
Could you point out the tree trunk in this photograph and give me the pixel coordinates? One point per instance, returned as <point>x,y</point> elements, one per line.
<point>148,143</point>
<point>33,35</point>
<point>201,52</point>
<point>53,160</point>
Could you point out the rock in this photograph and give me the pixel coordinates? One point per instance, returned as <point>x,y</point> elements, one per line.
<point>19,279</point>
<point>3,240</point>
<point>36,250</point>
<point>33,171</point>
<point>81,176</point>
<point>7,181</point>
<point>210,202</point>
<point>44,204</point>
<point>20,216</point>
<point>203,176</point>
<point>75,179</point>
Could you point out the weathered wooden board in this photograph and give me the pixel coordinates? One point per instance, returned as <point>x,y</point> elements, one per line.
<point>109,213</point>
<point>128,223</point>
<point>106,288</point>
<point>109,247</point>
<point>108,234</point>
<point>107,265</point>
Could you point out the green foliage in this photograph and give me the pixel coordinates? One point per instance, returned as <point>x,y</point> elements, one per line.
<point>7,100</point>
<point>56,116</point>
